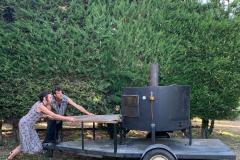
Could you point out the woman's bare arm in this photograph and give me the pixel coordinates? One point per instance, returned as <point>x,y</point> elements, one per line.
<point>46,111</point>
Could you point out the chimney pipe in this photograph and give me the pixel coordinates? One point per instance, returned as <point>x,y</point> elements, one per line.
<point>153,75</point>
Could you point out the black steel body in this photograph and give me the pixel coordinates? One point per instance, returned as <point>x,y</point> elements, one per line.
<point>169,110</point>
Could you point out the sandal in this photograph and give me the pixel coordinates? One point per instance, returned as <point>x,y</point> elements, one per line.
<point>9,155</point>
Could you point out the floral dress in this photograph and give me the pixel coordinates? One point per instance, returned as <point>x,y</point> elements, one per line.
<point>29,140</point>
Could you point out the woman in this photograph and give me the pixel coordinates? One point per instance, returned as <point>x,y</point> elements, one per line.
<point>29,140</point>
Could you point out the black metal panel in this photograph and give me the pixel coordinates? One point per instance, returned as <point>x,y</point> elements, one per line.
<point>171,109</point>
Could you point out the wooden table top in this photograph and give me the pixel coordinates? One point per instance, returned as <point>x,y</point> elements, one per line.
<point>114,118</point>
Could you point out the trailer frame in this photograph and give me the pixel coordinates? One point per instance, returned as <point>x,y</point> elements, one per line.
<point>179,148</point>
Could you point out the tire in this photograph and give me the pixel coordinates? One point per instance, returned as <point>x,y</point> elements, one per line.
<point>158,154</point>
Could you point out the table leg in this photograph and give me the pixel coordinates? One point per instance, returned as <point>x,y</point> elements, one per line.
<point>115,138</point>
<point>94,131</point>
<point>121,133</point>
<point>82,134</point>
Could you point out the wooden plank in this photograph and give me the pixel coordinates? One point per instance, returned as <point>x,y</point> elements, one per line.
<point>115,118</point>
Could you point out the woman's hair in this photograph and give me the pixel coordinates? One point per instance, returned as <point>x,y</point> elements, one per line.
<point>42,95</point>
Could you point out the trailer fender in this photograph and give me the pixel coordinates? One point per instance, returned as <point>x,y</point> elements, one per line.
<point>158,146</point>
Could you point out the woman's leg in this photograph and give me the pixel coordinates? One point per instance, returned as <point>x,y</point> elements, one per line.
<point>14,152</point>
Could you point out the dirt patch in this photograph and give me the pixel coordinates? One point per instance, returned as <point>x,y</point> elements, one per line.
<point>226,131</point>
<point>229,133</point>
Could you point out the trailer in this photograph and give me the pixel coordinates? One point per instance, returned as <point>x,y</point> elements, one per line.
<point>157,110</point>
<point>142,148</point>
<point>164,149</point>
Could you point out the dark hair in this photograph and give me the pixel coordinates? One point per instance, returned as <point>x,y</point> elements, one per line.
<point>42,95</point>
<point>56,88</point>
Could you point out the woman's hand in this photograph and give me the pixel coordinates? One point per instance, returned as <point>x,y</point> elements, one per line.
<point>89,113</point>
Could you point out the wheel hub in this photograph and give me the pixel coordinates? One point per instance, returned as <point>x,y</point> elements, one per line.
<point>159,157</point>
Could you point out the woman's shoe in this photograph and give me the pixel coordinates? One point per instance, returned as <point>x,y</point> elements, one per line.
<point>9,155</point>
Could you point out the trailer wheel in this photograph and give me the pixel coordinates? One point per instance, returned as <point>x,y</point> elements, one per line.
<point>158,154</point>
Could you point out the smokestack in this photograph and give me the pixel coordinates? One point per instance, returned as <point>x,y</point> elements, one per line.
<point>153,75</point>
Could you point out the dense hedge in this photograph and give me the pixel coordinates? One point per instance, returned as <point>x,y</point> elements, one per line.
<point>95,48</point>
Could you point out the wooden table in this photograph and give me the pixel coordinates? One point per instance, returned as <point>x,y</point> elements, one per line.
<point>114,118</point>
<point>109,119</point>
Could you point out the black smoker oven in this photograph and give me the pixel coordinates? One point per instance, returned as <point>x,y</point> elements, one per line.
<point>156,108</point>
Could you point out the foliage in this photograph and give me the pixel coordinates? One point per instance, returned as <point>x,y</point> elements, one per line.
<point>95,48</point>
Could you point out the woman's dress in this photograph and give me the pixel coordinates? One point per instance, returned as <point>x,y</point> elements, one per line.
<point>29,140</point>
